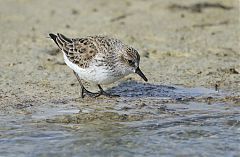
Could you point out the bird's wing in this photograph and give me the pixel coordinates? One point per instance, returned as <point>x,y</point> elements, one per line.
<point>79,51</point>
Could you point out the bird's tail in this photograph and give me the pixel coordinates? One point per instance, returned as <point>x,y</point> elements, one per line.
<point>60,40</point>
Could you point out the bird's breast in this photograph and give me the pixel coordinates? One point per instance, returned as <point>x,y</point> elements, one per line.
<point>97,74</point>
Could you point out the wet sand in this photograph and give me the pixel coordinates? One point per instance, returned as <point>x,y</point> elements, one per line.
<point>189,51</point>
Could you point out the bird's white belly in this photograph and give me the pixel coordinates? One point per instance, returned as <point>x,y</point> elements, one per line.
<point>94,74</point>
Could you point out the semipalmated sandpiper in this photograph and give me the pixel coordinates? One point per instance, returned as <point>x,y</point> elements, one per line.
<point>98,59</point>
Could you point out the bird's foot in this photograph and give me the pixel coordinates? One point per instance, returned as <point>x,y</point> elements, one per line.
<point>88,93</point>
<point>107,94</point>
<point>84,92</point>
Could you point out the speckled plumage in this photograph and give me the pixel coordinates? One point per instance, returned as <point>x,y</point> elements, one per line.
<point>98,59</point>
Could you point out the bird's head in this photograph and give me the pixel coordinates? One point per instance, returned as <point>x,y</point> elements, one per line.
<point>130,60</point>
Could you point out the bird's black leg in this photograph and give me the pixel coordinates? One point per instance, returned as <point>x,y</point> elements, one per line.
<point>83,89</point>
<point>102,92</point>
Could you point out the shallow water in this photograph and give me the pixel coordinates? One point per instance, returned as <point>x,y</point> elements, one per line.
<point>212,135</point>
<point>178,127</point>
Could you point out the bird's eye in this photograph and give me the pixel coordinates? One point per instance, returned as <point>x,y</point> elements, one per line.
<point>130,62</point>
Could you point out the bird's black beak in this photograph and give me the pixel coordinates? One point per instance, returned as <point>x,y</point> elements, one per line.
<point>139,72</point>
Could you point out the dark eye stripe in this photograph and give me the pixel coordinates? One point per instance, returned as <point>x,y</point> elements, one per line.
<point>130,62</point>
<point>133,53</point>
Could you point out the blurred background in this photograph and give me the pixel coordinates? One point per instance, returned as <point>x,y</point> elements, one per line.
<point>191,44</point>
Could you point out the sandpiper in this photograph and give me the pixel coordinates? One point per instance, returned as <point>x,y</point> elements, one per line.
<point>98,59</point>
